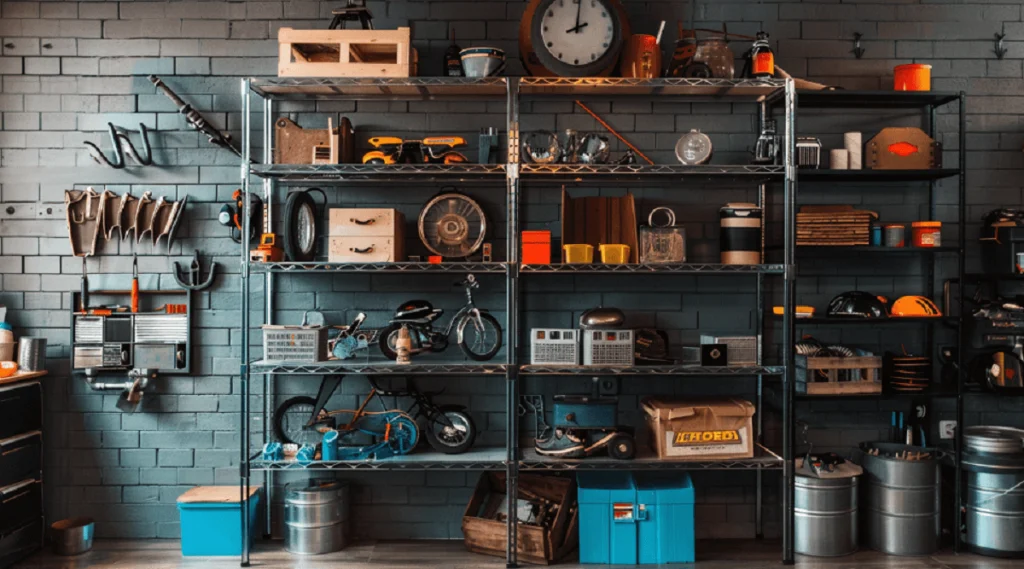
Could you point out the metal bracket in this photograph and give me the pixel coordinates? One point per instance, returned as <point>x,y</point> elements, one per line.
<point>1000,48</point>
<point>194,282</point>
<point>121,144</point>
<point>857,50</point>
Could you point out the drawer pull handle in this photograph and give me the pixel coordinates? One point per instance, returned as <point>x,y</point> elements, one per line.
<point>362,251</point>
<point>14,497</point>
<point>370,221</point>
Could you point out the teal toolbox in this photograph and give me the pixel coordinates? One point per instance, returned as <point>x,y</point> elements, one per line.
<point>635,517</point>
<point>211,519</point>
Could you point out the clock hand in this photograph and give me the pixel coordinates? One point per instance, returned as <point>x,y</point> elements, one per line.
<point>579,8</point>
<point>576,28</point>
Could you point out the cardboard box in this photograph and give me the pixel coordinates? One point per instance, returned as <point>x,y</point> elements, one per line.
<point>700,429</point>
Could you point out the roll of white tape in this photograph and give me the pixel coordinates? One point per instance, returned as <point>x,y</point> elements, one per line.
<point>839,159</point>
<point>852,143</point>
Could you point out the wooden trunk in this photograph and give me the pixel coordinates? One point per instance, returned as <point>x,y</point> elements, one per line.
<point>534,544</point>
<point>344,53</point>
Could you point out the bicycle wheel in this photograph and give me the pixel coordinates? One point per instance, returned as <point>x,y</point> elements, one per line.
<point>290,420</point>
<point>451,431</point>
<point>480,340</point>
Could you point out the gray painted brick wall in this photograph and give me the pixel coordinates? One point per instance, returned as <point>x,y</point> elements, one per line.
<point>67,68</point>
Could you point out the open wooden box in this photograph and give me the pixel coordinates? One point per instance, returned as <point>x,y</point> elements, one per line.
<point>344,53</point>
<point>535,544</point>
<point>843,376</point>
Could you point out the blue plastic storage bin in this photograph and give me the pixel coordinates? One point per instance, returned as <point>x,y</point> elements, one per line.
<point>635,518</point>
<point>211,520</point>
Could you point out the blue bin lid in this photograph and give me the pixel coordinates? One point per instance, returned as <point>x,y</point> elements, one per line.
<point>664,487</point>
<point>598,487</point>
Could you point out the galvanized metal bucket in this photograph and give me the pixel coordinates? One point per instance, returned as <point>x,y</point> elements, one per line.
<point>901,500</point>
<point>316,516</point>
<point>994,465</point>
<point>825,514</point>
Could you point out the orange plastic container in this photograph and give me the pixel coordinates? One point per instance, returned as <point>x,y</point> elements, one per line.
<point>614,254</point>
<point>926,233</point>
<point>536,247</point>
<point>577,253</point>
<point>912,77</point>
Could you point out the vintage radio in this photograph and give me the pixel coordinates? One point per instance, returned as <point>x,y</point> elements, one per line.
<point>903,148</point>
<point>123,341</point>
<point>742,349</point>
<point>554,346</point>
<point>608,347</point>
<point>808,152</point>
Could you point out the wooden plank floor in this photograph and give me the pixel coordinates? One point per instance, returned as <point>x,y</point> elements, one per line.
<point>725,554</point>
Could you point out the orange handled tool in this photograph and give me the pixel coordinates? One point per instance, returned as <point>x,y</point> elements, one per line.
<point>135,283</point>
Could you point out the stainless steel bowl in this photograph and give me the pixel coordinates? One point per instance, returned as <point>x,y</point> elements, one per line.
<point>602,318</point>
<point>72,536</point>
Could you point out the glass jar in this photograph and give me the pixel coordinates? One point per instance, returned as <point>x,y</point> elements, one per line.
<point>718,56</point>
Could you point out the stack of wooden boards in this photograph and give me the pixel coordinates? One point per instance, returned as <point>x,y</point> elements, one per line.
<point>833,226</point>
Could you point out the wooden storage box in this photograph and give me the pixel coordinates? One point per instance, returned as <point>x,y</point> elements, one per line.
<point>366,235</point>
<point>535,544</point>
<point>344,53</point>
<point>838,376</point>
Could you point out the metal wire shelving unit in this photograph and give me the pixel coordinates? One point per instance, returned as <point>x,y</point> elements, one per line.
<point>264,176</point>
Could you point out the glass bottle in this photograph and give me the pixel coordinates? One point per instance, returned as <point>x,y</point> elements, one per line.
<point>762,60</point>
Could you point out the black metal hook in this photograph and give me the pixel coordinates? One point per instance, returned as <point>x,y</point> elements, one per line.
<point>120,142</point>
<point>857,50</point>
<point>193,282</point>
<point>1000,49</point>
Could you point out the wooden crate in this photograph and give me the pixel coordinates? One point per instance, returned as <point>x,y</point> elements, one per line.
<point>535,544</point>
<point>344,53</point>
<point>599,219</point>
<point>843,376</point>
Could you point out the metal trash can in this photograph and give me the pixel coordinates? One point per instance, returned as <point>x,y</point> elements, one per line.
<point>901,500</point>
<point>316,516</point>
<point>994,463</point>
<point>825,511</point>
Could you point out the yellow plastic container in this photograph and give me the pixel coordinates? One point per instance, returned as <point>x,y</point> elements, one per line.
<point>614,254</point>
<point>578,253</point>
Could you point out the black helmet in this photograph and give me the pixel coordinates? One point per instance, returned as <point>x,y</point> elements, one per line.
<point>858,304</point>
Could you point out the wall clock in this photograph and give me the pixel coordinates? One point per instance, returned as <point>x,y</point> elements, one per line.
<point>572,38</point>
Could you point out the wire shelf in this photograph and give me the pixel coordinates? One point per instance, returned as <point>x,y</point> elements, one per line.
<point>394,88</point>
<point>810,175</point>
<point>651,370</point>
<point>473,459</point>
<point>680,268</point>
<point>338,173</point>
<point>763,459</point>
<point>376,368</point>
<point>756,89</point>
<point>321,267</point>
<point>639,172</point>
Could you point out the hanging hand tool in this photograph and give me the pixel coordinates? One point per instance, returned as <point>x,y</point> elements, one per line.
<point>135,283</point>
<point>83,296</point>
<point>195,119</point>
<point>193,282</point>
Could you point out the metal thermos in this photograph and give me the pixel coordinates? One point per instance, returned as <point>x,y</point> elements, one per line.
<point>825,513</point>
<point>994,463</point>
<point>32,353</point>
<point>900,500</point>
<point>741,234</point>
<point>316,516</point>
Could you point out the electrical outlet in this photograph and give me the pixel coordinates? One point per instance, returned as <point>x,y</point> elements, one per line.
<point>946,429</point>
<point>607,386</point>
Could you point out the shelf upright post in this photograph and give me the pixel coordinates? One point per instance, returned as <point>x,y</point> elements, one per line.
<point>929,261</point>
<point>243,465</point>
<point>268,288</point>
<point>958,434</point>
<point>788,324</point>
<point>512,319</point>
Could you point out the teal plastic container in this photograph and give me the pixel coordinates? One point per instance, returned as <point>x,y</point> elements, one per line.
<point>634,518</point>
<point>215,528</point>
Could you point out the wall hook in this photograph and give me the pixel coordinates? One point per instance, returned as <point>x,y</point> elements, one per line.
<point>1000,49</point>
<point>121,144</point>
<point>857,50</point>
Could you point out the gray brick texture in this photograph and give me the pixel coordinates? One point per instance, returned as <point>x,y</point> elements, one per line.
<point>69,68</point>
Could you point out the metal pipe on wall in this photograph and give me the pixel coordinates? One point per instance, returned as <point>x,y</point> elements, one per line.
<point>788,325</point>
<point>243,467</point>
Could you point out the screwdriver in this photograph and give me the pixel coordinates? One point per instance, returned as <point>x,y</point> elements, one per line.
<point>83,297</point>
<point>135,283</point>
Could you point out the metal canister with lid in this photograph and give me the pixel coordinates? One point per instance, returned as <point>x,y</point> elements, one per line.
<point>825,511</point>
<point>316,516</point>
<point>994,463</point>
<point>740,234</point>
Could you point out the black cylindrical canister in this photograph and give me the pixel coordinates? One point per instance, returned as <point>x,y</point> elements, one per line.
<point>741,234</point>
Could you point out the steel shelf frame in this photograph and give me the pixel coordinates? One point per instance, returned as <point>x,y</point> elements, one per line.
<point>260,175</point>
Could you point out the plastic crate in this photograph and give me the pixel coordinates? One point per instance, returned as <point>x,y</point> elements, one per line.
<point>211,521</point>
<point>554,346</point>
<point>636,517</point>
<point>294,343</point>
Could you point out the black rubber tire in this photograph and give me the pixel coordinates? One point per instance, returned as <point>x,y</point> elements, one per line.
<point>440,446</point>
<point>382,341</point>
<point>622,447</point>
<point>490,353</point>
<point>282,410</point>
<point>297,201</point>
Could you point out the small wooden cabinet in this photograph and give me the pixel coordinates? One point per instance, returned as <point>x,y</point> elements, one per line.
<point>21,476</point>
<point>366,235</point>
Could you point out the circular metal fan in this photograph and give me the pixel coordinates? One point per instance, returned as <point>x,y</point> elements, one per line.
<point>452,225</point>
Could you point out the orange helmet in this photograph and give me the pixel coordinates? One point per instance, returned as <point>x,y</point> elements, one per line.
<point>914,306</point>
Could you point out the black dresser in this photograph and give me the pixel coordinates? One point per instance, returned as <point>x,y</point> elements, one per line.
<point>21,470</point>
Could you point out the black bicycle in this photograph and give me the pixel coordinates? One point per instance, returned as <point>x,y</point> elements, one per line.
<point>449,428</point>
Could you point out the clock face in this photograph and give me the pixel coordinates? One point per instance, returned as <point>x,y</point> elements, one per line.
<point>577,32</point>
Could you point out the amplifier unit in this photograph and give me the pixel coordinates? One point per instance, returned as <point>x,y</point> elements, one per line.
<point>608,347</point>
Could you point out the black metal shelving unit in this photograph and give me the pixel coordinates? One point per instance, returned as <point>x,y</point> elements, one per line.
<point>928,103</point>
<point>263,176</point>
